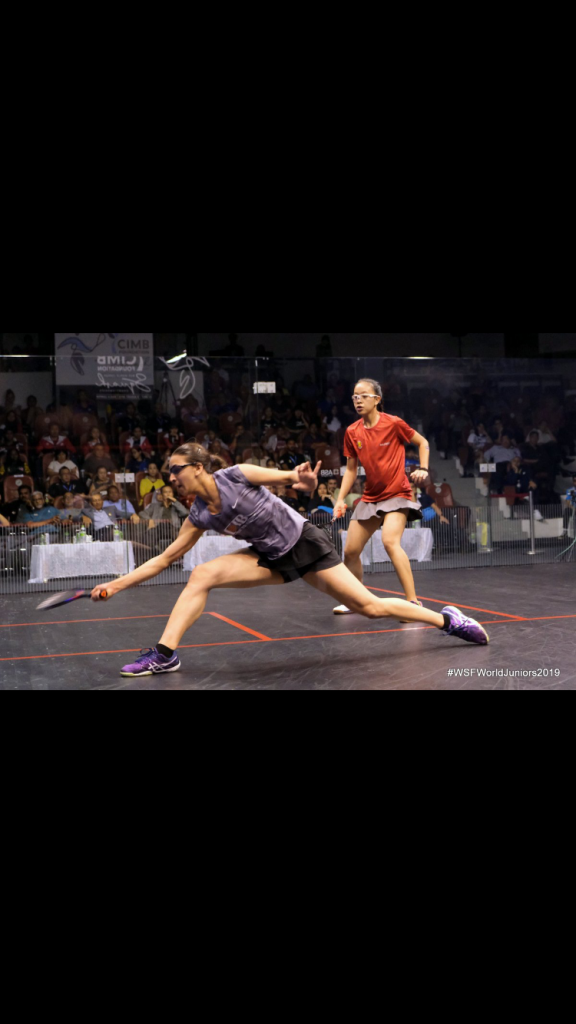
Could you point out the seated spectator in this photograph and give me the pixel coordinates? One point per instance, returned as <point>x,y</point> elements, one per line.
<point>321,498</point>
<point>40,518</point>
<point>545,435</point>
<point>268,420</point>
<point>11,421</point>
<point>128,418</point>
<point>138,440</point>
<point>98,459</point>
<point>333,421</point>
<point>297,423</point>
<point>242,439</point>
<point>152,481</point>
<point>312,438</point>
<point>61,461</point>
<point>30,413</point>
<point>193,412</point>
<point>66,485</point>
<point>299,504</point>
<point>124,508</point>
<point>13,463</point>
<point>9,440</point>
<point>70,514</point>
<point>100,483</point>
<point>332,486</point>
<point>94,439</point>
<point>103,520</point>
<point>291,455</point>
<point>519,477</point>
<point>531,454</point>
<point>137,463</point>
<point>54,441</point>
<point>164,508</point>
<point>217,448</point>
<point>23,502</point>
<point>173,439</point>
<point>479,438</point>
<point>502,454</point>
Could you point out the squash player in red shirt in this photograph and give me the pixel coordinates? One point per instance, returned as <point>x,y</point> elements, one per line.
<point>378,442</point>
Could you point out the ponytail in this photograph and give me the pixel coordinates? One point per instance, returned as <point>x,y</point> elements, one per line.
<point>196,455</point>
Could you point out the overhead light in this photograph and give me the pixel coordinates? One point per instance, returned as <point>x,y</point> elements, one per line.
<point>176,359</point>
<point>421,357</point>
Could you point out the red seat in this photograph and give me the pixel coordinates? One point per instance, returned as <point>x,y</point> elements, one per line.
<point>12,485</point>
<point>148,499</point>
<point>330,458</point>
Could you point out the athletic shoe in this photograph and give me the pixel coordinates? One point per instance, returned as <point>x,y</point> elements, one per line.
<point>464,628</point>
<point>409,621</point>
<point>342,610</point>
<point>152,663</point>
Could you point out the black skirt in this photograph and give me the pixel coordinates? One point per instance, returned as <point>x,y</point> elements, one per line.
<point>313,553</point>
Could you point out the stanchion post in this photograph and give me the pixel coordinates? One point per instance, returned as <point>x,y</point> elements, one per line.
<point>533,550</point>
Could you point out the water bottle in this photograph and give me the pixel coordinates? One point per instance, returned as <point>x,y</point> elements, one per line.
<point>117,534</point>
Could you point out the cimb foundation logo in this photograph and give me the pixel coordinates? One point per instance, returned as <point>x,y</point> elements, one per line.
<point>122,352</point>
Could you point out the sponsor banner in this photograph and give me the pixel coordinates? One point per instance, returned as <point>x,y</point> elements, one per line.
<point>119,365</point>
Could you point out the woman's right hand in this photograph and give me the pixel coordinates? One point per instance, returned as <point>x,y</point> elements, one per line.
<point>340,509</point>
<point>108,587</point>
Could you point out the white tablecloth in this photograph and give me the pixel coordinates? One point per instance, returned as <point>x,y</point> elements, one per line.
<point>418,545</point>
<point>65,561</point>
<point>208,548</point>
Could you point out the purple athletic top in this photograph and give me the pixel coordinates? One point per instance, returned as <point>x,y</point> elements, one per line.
<point>250,513</point>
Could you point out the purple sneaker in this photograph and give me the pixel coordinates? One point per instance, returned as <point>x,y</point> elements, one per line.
<point>465,629</point>
<point>152,663</point>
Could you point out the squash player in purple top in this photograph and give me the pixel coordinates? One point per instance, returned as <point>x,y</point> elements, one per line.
<point>234,502</point>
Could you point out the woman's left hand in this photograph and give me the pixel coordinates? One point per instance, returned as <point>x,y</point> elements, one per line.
<point>307,478</point>
<point>419,476</point>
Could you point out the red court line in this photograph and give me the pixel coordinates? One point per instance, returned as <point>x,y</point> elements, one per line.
<point>238,625</point>
<point>69,622</point>
<point>281,639</point>
<point>434,600</point>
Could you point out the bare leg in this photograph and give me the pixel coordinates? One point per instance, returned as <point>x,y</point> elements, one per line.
<point>392,531</point>
<point>341,584</point>
<point>233,571</point>
<point>359,533</point>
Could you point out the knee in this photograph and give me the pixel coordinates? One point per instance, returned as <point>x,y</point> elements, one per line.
<point>392,547</point>
<point>351,556</point>
<point>372,610</point>
<point>201,578</point>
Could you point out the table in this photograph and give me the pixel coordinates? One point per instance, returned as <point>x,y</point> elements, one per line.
<point>66,561</point>
<point>418,545</point>
<point>210,547</point>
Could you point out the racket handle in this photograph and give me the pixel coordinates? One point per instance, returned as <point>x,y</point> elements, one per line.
<point>103,595</point>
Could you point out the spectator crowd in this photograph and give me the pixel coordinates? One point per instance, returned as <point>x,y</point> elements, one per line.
<point>58,466</point>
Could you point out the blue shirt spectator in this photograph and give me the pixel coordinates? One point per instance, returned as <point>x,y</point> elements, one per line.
<point>41,514</point>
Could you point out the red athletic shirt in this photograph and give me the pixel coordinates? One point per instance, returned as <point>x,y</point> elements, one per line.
<point>381,451</point>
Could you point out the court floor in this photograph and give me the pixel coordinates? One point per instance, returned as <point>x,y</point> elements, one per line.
<point>283,638</point>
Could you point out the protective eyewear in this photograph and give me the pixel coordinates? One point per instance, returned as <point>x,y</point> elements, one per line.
<point>362,398</point>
